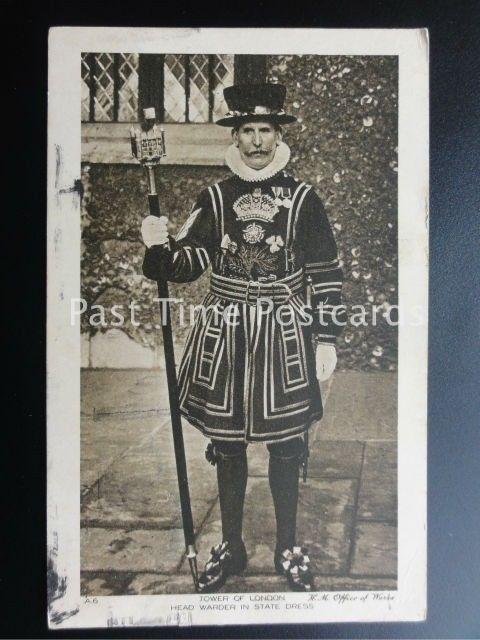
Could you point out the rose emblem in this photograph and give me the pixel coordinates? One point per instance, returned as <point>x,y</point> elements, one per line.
<point>253,233</point>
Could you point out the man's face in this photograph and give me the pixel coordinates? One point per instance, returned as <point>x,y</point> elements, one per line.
<point>257,143</point>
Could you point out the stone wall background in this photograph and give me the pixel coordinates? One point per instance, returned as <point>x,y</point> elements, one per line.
<point>344,143</point>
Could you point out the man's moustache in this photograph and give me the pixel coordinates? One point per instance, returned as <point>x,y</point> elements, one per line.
<point>254,153</point>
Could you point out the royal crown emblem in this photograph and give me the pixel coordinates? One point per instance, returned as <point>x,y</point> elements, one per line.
<point>255,206</point>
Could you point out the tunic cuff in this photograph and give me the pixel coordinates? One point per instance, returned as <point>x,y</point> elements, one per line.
<point>323,338</point>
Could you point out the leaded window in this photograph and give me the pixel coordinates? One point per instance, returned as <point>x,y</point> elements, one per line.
<point>183,88</point>
<point>109,87</point>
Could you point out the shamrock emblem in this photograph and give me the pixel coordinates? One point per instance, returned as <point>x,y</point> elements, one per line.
<point>275,243</point>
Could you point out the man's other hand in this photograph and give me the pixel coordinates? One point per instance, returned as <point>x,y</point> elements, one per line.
<point>154,230</point>
<point>326,361</point>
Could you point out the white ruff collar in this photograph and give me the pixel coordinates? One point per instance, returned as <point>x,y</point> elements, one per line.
<point>236,164</point>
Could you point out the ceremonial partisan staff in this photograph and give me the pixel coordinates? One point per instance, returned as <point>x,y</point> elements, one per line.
<point>148,147</point>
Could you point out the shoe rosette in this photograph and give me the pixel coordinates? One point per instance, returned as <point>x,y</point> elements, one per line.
<point>211,455</point>
<point>296,568</point>
<point>216,568</point>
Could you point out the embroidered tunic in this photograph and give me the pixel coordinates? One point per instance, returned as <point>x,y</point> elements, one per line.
<point>248,369</point>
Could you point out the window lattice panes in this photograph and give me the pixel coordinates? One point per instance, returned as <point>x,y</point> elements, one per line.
<point>206,76</point>
<point>223,77</point>
<point>198,107</point>
<point>192,89</point>
<point>174,88</point>
<point>128,87</point>
<point>113,94</point>
<point>103,101</point>
<point>85,89</point>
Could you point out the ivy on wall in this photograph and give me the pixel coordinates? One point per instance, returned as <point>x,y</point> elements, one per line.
<point>114,206</point>
<point>345,144</point>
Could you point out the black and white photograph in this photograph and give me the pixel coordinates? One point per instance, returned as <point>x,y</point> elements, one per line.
<point>237,326</point>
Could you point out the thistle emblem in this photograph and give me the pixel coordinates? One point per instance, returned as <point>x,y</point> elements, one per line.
<point>251,260</point>
<point>255,206</point>
<point>228,245</point>
<point>253,233</point>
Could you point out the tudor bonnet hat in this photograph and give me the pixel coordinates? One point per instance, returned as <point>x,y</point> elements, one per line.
<point>250,102</point>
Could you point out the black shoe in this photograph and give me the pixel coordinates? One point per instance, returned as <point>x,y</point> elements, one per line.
<point>295,566</point>
<point>225,560</point>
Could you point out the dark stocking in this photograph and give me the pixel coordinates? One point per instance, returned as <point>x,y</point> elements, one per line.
<point>232,472</point>
<point>283,477</point>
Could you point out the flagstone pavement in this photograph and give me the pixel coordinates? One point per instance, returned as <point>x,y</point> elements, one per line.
<point>131,533</point>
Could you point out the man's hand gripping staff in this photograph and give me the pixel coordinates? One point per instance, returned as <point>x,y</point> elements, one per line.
<point>155,231</point>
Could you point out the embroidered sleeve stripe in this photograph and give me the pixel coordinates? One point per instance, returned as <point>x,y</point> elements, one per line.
<point>312,270</point>
<point>178,266</point>
<point>217,204</point>
<point>187,224</point>
<point>322,264</point>
<point>299,206</point>
<point>291,216</point>
<point>215,209</point>
<point>202,256</point>
<point>329,283</point>
<point>207,257</point>
<point>337,289</point>
<point>220,210</point>
<point>188,253</point>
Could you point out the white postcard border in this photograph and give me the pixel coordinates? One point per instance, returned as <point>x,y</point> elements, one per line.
<point>71,610</point>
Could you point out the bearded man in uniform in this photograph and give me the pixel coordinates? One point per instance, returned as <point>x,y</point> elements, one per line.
<point>254,357</point>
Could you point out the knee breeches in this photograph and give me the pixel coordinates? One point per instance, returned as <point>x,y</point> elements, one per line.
<point>293,448</point>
